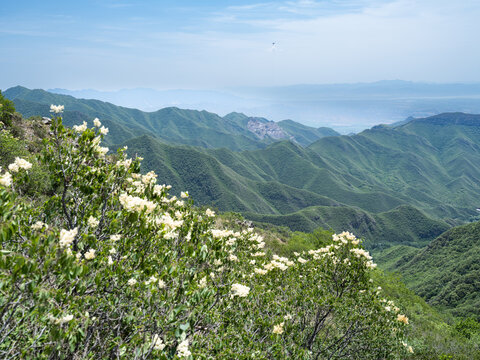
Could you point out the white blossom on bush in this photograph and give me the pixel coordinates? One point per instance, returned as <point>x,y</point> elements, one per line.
<point>67,237</point>
<point>57,108</point>
<point>240,290</point>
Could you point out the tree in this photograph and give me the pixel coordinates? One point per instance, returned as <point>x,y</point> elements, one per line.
<point>7,109</point>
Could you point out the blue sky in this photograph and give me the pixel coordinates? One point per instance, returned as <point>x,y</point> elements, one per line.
<point>108,44</point>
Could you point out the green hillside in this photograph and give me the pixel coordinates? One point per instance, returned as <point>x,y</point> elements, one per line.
<point>172,125</point>
<point>403,225</point>
<point>305,135</point>
<point>375,183</point>
<point>431,163</point>
<point>446,272</point>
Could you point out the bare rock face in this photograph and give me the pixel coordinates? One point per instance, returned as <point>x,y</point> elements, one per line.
<point>267,128</point>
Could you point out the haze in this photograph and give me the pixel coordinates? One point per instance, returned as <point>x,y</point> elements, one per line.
<point>111,45</point>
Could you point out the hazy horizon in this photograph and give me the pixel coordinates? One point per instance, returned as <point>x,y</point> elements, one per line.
<point>346,108</point>
<point>236,46</point>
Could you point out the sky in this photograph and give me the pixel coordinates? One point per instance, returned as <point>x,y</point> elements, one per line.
<point>109,45</point>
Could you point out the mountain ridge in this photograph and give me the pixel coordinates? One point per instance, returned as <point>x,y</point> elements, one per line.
<point>190,127</point>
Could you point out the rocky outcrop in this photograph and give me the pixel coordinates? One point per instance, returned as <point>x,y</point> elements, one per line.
<point>267,128</point>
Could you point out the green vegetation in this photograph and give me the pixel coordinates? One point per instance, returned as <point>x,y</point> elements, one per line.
<point>7,110</point>
<point>112,266</point>
<point>446,272</point>
<point>402,225</point>
<point>435,334</point>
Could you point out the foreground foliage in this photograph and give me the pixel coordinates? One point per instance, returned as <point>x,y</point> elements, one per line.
<point>111,266</point>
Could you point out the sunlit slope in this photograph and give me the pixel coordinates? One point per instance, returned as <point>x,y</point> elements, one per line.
<point>446,272</point>
<point>432,163</point>
<point>212,183</point>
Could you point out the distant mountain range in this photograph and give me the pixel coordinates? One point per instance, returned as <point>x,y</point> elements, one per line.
<point>346,108</point>
<point>402,184</point>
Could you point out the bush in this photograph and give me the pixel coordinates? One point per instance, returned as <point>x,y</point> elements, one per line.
<point>113,267</point>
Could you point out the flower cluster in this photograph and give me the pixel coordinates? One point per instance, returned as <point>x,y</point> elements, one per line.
<point>67,237</point>
<point>57,109</point>
<point>19,164</point>
<point>240,290</point>
<point>136,204</point>
<point>5,179</point>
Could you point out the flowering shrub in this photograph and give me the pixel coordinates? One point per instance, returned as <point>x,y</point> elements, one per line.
<point>112,266</point>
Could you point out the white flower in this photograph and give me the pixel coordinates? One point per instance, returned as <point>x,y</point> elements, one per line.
<point>92,222</point>
<point>56,108</point>
<point>302,260</point>
<point>278,329</point>
<point>132,282</point>
<point>21,163</point>
<point>157,343</point>
<point>210,213</point>
<point>149,178</point>
<point>112,251</point>
<point>182,349</point>
<point>39,226</point>
<point>80,128</point>
<point>161,283</point>
<point>136,204</point>
<point>67,318</point>
<point>360,252</point>
<point>101,150</point>
<point>402,318</point>
<point>103,130</point>
<point>13,167</point>
<point>152,279</point>
<point>168,221</point>
<point>260,245</point>
<point>260,271</point>
<point>184,194</point>
<point>288,317</point>
<point>90,254</point>
<point>97,122</point>
<point>260,253</point>
<point>6,179</point>
<point>125,163</point>
<point>110,260</point>
<point>67,237</point>
<point>232,257</point>
<point>115,237</point>
<point>240,290</point>
<point>203,283</point>
<point>61,320</point>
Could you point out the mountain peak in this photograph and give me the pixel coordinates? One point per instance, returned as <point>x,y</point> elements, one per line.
<point>452,118</point>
